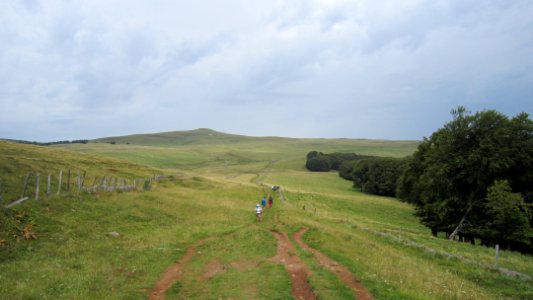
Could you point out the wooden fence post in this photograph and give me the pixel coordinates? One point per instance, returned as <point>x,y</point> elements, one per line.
<point>48,182</point>
<point>79,181</point>
<point>95,181</point>
<point>25,185</point>
<point>68,181</point>
<point>497,256</point>
<point>59,182</point>
<point>83,178</point>
<point>37,177</point>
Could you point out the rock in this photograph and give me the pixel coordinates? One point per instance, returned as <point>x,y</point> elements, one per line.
<point>113,234</point>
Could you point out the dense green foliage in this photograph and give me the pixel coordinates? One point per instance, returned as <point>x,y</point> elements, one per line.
<point>373,175</point>
<point>345,170</point>
<point>453,178</point>
<point>507,215</point>
<point>378,176</point>
<point>320,162</point>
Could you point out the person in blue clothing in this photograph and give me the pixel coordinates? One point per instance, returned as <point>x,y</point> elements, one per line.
<point>263,201</point>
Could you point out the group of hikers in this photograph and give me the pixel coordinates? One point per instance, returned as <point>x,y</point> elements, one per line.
<point>259,208</point>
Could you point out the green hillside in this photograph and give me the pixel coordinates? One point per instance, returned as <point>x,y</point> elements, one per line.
<point>204,136</point>
<point>16,160</point>
<point>177,138</point>
<point>208,203</point>
<point>205,150</point>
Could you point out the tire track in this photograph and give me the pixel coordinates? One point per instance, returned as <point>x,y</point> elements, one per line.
<point>297,269</point>
<point>342,272</point>
<point>173,273</point>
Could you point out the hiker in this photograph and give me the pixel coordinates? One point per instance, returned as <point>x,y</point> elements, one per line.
<point>259,212</point>
<point>263,201</point>
<point>270,200</point>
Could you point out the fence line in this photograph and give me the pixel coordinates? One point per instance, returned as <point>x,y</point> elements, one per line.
<point>103,184</point>
<point>48,182</point>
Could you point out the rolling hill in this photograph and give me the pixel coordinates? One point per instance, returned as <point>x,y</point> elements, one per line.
<point>201,221</point>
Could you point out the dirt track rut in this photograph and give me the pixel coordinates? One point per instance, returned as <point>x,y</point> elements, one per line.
<point>172,274</point>
<point>344,274</point>
<point>296,268</point>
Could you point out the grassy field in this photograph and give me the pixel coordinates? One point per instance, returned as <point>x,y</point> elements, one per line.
<point>210,198</point>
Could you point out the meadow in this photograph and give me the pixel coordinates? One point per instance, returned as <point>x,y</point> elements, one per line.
<point>215,181</point>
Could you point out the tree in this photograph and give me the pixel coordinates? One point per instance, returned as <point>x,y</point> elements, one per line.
<point>346,169</point>
<point>448,177</point>
<point>507,215</point>
<point>378,175</point>
<point>313,154</point>
<point>318,164</point>
<point>318,161</point>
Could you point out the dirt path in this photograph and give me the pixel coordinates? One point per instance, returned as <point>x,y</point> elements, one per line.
<point>344,274</point>
<point>172,274</point>
<point>297,269</point>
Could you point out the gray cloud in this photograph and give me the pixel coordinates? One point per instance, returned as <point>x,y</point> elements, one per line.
<point>377,69</point>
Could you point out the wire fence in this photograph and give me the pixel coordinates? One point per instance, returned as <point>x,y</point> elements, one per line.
<point>35,185</point>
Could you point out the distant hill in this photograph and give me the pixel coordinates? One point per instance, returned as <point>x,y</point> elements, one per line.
<point>208,136</point>
<point>177,138</point>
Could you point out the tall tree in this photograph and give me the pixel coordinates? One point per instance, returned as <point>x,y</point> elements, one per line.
<point>448,176</point>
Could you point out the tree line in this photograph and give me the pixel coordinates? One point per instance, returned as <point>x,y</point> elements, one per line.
<point>47,143</point>
<point>372,174</point>
<point>472,179</point>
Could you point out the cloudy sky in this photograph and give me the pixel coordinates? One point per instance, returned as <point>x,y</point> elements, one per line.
<point>360,69</point>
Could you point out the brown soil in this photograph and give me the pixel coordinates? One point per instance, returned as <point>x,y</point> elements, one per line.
<point>212,268</point>
<point>172,274</point>
<point>243,265</point>
<point>297,269</point>
<point>344,274</point>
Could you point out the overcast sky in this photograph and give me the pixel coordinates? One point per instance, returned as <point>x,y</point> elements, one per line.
<point>357,69</point>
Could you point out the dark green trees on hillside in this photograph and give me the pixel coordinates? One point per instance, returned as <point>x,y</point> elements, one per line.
<point>320,162</point>
<point>473,178</point>
<point>374,175</point>
<point>378,175</point>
